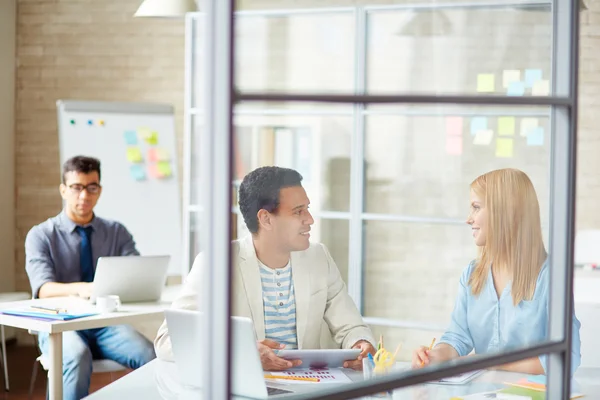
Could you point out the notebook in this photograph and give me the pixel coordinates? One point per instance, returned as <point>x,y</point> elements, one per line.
<point>46,316</point>
<point>460,379</point>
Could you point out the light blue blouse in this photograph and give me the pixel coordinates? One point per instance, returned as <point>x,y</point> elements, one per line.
<point>488,324</point>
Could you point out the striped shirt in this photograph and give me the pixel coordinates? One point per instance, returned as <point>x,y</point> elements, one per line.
<point>279,305</point>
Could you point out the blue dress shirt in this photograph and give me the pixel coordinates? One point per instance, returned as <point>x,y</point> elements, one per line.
<point>487,324</point>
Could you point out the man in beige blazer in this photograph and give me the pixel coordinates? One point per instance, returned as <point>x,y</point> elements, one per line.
<point>275,209</point>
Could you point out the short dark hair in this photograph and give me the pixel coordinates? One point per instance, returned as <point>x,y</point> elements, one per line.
<point>81,164</point>
<point>260,190</point>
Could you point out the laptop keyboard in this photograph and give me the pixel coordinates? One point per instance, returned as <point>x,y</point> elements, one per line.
<point>271,391</point>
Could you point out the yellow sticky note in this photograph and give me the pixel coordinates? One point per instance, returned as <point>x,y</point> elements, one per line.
<point>541,88</point>
<point>486,83</point>
<point>504,147</point>
<point>528,125</point>
<point>164,168</point>
<point>483,138</point>
<point>152,138</point>
<point>509,76</point>
<point>144,132</point>
<point>134,155</point>
<point>506,126</point>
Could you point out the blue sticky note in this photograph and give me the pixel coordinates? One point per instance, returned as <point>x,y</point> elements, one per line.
<point>541,379</point>
<point>535,137</point>
<point>516,89</point>
<point>137,172</point>
<point>532,76</point>
<point>478,124</point>
<point>130,137</point>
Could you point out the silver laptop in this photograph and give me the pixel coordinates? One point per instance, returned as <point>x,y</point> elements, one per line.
<point>247,374</point>
<point>133,278</point>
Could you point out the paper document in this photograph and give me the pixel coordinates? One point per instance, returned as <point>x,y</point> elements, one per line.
<point>460,379</point>
<point>325,375</point>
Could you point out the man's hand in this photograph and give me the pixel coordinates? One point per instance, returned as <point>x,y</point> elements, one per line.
<point>84,289</point>
<point>422,357</point>
<point>366,348</point>
<point>270,361</point>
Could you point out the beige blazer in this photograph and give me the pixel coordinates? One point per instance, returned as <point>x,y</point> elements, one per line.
<point>320,292</point>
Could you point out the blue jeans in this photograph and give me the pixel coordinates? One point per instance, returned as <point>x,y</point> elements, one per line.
<point>119,343</point>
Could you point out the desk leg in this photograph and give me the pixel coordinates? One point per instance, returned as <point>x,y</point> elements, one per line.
<point>55,372</point>
<point>4,362</point>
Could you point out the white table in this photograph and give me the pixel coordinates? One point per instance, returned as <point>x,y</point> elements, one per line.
<point>159,380</point>
<point>127,314</point>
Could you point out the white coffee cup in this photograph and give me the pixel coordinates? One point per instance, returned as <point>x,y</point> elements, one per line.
<point>108,304</point>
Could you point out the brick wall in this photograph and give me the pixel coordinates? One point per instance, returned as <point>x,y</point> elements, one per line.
<point>89,50</point>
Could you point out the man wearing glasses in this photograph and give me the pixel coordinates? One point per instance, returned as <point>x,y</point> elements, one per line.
<point>61,255</point>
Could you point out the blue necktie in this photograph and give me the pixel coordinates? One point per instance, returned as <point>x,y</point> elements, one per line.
<point>86,260</point>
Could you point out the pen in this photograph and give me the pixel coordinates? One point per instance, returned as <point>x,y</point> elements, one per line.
<point>371,358</point>
<point>293,378</point>
<point>49,309</point>
<point>430,347</point>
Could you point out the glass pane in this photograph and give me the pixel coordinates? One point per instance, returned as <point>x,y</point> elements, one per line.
<point>421,160</point>
<point>295,52</point>
<point>334,234</point>
<point>318,147</point>
<point>410,264</point>
<point>504,50</point>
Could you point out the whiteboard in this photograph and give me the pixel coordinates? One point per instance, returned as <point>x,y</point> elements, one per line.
<point>136,146</point>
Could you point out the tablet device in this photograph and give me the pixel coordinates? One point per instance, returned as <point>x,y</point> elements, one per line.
<point>320,358</point>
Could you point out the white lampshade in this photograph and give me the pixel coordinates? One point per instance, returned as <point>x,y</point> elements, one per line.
<point>165,8</point>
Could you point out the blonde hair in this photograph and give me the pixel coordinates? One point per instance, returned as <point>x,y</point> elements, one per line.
<point>514,232</point>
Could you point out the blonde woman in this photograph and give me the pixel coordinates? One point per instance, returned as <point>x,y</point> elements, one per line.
<point>503,295</point>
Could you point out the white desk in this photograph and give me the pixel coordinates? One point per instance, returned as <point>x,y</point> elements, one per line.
<point>158,380</point>
<point>127,314</point>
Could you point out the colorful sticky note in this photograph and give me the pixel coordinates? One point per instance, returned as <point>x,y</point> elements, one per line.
<point>90,122</point>
<point>516,89</point>
<point>478,124</point>
<point>164,168</point>
<point>152,139</point>
<point>541,88</point>
<point>483,138</point>
<point>454,145</point>
<point>153,171</point>
<point>532,76</point>
<point>535,137</point>
<point>130,137</point>
<point>101,122</point>
<point>506,126</point>
<point>527,125</point>
<point>504,147</point>
<point>454,126</point>
<point>156,154</point>
<point>509,76</point>
<point>144,132</point>
<point>134,155</point>
<point>485,83</point>
<point>137,172</point>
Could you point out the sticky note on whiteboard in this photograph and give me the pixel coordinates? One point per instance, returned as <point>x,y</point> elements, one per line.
<point>535,137</point>
<point>486,83</point>
<point>478,124</point>
<point>483,138</point>
<point>454,145</point>
<point>506,126</point>
<point>130,137</point>
<point>504,147</point>
<point>137,172</point>
<point>454,126</point>
<point>156,154</point>
<point>527,125</point>
<point>134,155</point>
<point>509,76</point>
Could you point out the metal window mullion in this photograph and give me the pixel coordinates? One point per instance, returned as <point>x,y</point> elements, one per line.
<point>563,179</point>
<point>355,236</point>
<point>215,191</point>
<point>190,40</point>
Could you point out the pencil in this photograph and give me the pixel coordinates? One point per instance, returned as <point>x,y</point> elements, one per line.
<point>430,347</point>
<point>397,350</point>
<point>48,310</point>
<point>293,378</point>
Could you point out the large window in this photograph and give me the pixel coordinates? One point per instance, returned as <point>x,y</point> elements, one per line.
<point>389,183</point>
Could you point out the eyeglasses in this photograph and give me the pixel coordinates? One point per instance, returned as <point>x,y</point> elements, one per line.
<point>92,188</point>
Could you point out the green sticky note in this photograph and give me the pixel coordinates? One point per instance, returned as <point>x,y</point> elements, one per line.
<point>134,155</point>
<point>164,169</point>
<point>506,126</point>
<point>486,83</point>
<point>504,147</point>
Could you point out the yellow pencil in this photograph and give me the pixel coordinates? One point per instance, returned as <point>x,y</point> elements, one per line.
<point>430,347</point>
<point>293,378</point>
<point>397,350</point>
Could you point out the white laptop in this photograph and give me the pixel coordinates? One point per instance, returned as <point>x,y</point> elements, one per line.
<point>133,278</point>
<point>247,374</point>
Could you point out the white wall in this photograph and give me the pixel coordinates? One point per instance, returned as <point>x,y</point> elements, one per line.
<point>8,12</point>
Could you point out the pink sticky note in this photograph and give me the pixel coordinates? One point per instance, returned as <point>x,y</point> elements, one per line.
<point>152,155</point>
<point>154,171</point>
<point>454,145</point>
<point>454,126</point>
